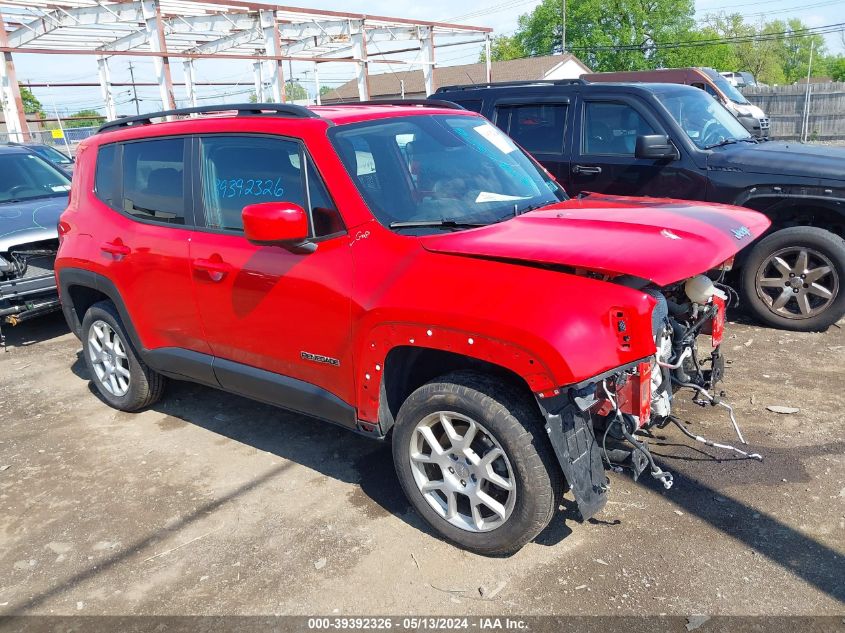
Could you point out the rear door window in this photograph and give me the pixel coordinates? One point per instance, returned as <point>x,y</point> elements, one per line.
<point>538,128</point>
<point>612,128</point>
<point>154,180</point>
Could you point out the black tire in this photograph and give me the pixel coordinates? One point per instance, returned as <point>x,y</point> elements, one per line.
<point>831,246</point>
<point>513,420</point>
<point>145,385</point>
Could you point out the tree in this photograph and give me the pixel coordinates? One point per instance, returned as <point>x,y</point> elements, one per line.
<point>613,35</point>
<point>760,57</point>
<point>719,55</point>
<point>31,104</point>
<point>294,91</point>
<point>504,47</point>
<point>795,51</point>
<point>73,121</point>
<point>836,67</point>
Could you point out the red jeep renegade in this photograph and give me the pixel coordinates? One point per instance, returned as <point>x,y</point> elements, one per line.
<point>408,272</point>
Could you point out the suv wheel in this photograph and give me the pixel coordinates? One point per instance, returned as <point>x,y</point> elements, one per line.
<point>121,377</point>
<point>472,457</point>
<point>793,279</point>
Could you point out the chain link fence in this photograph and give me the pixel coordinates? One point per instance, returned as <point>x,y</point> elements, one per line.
<point>72,137</point>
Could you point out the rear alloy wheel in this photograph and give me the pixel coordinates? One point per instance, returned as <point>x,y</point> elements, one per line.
<point>108,359</point>
<point>793,279</point>
<point>120,375</point>
<point>474,461</point>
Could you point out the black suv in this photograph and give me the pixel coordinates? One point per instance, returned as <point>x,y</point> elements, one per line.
<point>669,140</point>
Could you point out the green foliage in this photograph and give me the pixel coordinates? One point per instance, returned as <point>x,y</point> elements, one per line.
<point>760,58</point>
<point>596,30</point>
<point>796,51</point>
<point>503,47</point>
<point>95,122</point>
<point>836,68</point>
<point>294,91</point>
<point>715,55</point>
<point>610,35</point>
<point>31,105</point>
<point>324,90</point>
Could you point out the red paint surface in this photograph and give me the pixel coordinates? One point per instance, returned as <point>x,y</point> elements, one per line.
<point>660,240</point>
<point>370,290</point>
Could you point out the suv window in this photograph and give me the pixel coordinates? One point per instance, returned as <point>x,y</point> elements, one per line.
<point>435,169</point>
<point>106,181</point>
<point>612,128</point>
<point>153,179</point>
<point>242,170</point>
<point>471,104</point>
<point>538,128</point>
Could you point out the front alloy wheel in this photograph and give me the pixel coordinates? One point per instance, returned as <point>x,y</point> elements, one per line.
<point>792,279</point>
<point>462,471</point>
<point>473,459</point>
<point>797,282</point>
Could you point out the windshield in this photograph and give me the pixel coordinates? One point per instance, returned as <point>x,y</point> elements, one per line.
<point>441,169</point>
<point>24,176</point>
<point>705,120</point>
<point>725,86</point>
<point>51,154</point>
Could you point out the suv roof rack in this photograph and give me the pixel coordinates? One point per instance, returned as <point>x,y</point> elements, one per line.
<point>429,103</point>
<point>505,84</point>
<point>243,109</point>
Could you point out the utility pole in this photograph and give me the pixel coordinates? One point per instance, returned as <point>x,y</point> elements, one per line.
<point>563,33</point>
<point>290,74</point>
<point>805,120</point>
<point>134,89</point>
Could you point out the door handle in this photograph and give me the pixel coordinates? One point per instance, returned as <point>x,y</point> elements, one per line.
<point>215,267</point>
<point>116,248</point>
<point>586,169</point>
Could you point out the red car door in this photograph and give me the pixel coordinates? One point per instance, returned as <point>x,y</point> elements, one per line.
<point>267,307</point>
<point>141,240</point>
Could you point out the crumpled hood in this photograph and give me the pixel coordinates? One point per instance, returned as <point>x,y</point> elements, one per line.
<point>782,159</point>
<point>29,221</point>
<point>656,239</point>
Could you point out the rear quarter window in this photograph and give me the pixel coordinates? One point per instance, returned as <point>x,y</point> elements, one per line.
<point>106,178</point>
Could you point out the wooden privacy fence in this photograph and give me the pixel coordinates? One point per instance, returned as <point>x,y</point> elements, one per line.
<point>785,107</point>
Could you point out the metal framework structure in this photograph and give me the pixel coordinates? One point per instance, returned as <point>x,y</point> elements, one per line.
<point>188,30</point>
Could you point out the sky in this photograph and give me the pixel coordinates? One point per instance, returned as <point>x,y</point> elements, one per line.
<point>498,14</point>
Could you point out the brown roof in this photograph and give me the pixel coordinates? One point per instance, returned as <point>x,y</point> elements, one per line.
<point>388,84</point>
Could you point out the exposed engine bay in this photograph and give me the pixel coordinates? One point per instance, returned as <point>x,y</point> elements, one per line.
<point>627,404</point>
<point>27,282</point>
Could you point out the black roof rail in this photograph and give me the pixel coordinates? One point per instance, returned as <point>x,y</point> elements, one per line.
<point>243,109</point>
<point>429,103</point>
<point>505,84</point>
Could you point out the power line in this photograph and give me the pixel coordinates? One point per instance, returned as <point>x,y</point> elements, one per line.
<point>740,39</point>
<point>496,8</point>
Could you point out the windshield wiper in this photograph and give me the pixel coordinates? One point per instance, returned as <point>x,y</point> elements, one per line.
<point>437,224</point>
<point>534,207</point>
<point>725,141</point>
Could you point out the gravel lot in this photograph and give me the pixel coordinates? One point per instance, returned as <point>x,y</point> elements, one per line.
<point>212,504</point>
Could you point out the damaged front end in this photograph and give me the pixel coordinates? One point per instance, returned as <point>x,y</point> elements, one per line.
<point>605,421</point>
<point>27,282</point>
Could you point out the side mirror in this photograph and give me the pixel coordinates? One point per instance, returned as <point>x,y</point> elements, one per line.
<point>655,146</point>
<point>282,223</point>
